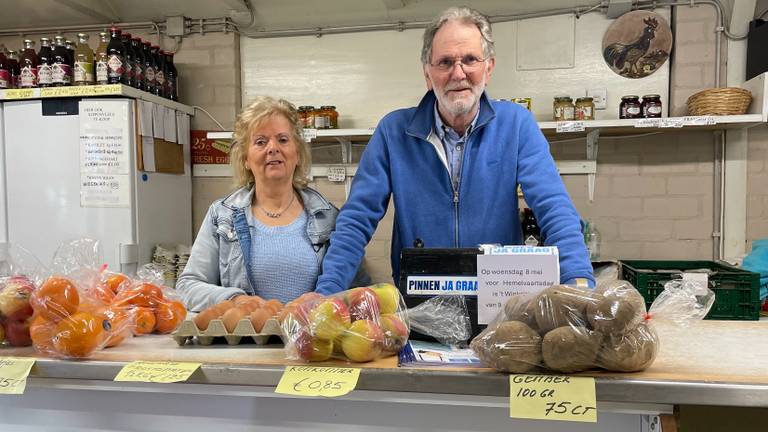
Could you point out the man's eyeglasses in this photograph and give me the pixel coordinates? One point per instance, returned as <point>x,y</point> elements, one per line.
<point>468,63</point>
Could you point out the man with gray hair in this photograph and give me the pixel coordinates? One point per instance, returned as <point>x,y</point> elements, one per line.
<point>452,166</point>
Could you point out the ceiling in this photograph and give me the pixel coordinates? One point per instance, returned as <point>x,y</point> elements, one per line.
<point>269,14</point>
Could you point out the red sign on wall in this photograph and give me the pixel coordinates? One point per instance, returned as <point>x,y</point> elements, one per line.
<point>206,151</point>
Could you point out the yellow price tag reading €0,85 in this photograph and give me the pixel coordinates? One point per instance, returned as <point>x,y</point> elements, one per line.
<point>13,374</point>
<point>156,372</point>
<point>549,397</point>
<point>318,381</point>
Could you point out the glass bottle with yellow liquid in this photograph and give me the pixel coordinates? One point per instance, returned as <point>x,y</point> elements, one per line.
<point>102,58</point>
<point>83,61</point>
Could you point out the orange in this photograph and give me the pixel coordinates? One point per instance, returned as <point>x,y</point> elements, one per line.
<point>122,326</point>
<point>115,282</point>
<point>80,335</point>
<point>169,314</point>
<point>56,298</point>
<point>142,295</point>
<point>42,331</point>
<point>101,293</point>
<point>145,320</point>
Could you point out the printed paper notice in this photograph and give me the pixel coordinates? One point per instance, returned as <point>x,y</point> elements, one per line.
<point>104,139</point>
<point>513,270</point>
<point>548,397</point>
<point>318,381</point>
<point>13,374</point>
<point>156,372</point>
<point>104,190</point>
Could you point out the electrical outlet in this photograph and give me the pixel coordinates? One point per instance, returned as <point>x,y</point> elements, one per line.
<point>599,97</point>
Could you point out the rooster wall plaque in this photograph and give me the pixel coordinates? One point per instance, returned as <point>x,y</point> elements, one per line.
<point>637,44</point>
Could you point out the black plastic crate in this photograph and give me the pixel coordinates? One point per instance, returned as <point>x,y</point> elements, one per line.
<point>737,291</point>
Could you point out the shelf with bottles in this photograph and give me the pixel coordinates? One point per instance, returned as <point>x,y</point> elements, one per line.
<point>91,91</point>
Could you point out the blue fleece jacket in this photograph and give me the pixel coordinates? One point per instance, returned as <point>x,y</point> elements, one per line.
<point>404,160</point>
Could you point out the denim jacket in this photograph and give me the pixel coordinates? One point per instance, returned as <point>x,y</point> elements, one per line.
<point>217,268</point>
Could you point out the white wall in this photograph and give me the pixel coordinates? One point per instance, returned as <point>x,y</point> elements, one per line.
<point>369,74</point>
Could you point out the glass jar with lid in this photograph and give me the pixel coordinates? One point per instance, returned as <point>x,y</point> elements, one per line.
<point>306,116</point>
<point>563,108</point>
<point>331,116</point>
<point>651,106</point>
<point>585,109</point>
<point>630,107</point>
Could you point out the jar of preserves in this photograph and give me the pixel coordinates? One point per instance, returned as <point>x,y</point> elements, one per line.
<point>331,116</point>
<point>306,116</point>
<point>523,102</point>
<point>651,107</point>
<point>563,108</point>
<point>630,107</point>
<point>585,109</point>
<point>319,118</point>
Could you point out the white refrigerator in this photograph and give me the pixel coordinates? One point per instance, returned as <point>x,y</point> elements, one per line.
<point>65,179</point>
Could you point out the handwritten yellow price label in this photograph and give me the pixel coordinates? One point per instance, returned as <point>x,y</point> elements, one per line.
<point>21,93</point>
<point>13,374</point>
<point>75,91</point>
<point>156,372</point>
<point>548,397</point>
<point>318,381</point>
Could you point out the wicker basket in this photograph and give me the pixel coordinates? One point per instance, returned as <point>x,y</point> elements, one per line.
<point>720,101</point>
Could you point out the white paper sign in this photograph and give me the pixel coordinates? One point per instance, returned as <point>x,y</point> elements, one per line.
<point>158,121</point>
<point>337,173</point>
<point>104,190</point>
<point>309,134</point>
<point>671,122</point>
<point>104,140</point>
<point>513,270</point>
<point>569,126</point>
<point>648,123</point>
<point>169,124</point>
<point>441,285</point>
<point>699,121</point>
<point>182,128</point>
<point>145,118</point>
<point>148,153</point>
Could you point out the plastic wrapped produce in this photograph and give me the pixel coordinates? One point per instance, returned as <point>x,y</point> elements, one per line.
<point>358,325</point>
<point>20,274</point>
<point>567,329</point>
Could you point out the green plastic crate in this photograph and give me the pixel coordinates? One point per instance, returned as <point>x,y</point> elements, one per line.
<point>737,291</point>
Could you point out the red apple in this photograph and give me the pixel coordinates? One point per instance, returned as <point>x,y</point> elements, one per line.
<point>17,333</point>
<point>363,304</point>
<point>312,349</point>
<point>2,333</point>
<point>395,333</point>
<point>363,341</point>
<point>329,319</point>
<point>14,298</point>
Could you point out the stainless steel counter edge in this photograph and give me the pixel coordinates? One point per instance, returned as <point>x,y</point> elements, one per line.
<point>608,389</point>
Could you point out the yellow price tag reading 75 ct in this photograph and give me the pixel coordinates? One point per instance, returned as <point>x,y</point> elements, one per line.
<point>156,372</point>
<point>318,381</point>
<point>13,374</point>
<point>550,397</point>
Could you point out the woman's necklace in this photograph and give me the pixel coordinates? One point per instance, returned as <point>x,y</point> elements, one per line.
<point>275,215</point>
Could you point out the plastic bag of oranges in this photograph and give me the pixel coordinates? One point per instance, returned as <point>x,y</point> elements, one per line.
<point>20,274</point>
<point>156,308</point>
<point>359,325</point>
<point>69,320</point>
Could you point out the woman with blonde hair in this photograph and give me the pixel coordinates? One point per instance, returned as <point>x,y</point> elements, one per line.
<point>268,238</point>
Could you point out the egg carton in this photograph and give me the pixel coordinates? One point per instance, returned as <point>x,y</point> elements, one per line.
<point>244,329</point>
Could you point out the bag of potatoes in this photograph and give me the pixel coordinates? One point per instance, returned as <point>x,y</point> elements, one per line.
<point>568,329</point>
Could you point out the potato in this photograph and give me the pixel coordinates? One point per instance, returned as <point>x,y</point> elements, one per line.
<point>561,305</point>
<point>570,349</point>
<point>620,310</point>
<point>512,346</point>
<point>521,308</point>
<point>630,352</point>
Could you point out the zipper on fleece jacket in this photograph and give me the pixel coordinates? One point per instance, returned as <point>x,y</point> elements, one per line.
<point>455,216</point>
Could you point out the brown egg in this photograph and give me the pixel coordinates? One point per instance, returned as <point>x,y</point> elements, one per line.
<point>274,305</point>
<point>232,317</point>
<point>259,317</point>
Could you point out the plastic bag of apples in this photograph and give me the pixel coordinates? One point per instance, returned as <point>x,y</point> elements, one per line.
<point>83,308</point>
<point>20,274</point>
<point>359,325</point>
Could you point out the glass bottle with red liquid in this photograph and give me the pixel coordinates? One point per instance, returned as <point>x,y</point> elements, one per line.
<point>44,67</point>
<point>149,68</point>
<point>61,71</point>
<point>138,63</point>
<point>171,78</point>
<point>159,88</point>
<point>115,58</point>
<point>13,62</point>
<point>130,62</point>
<point>28,64</point>
<point>6,81</point>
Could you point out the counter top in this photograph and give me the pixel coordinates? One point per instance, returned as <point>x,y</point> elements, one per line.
<point>709,363</point>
